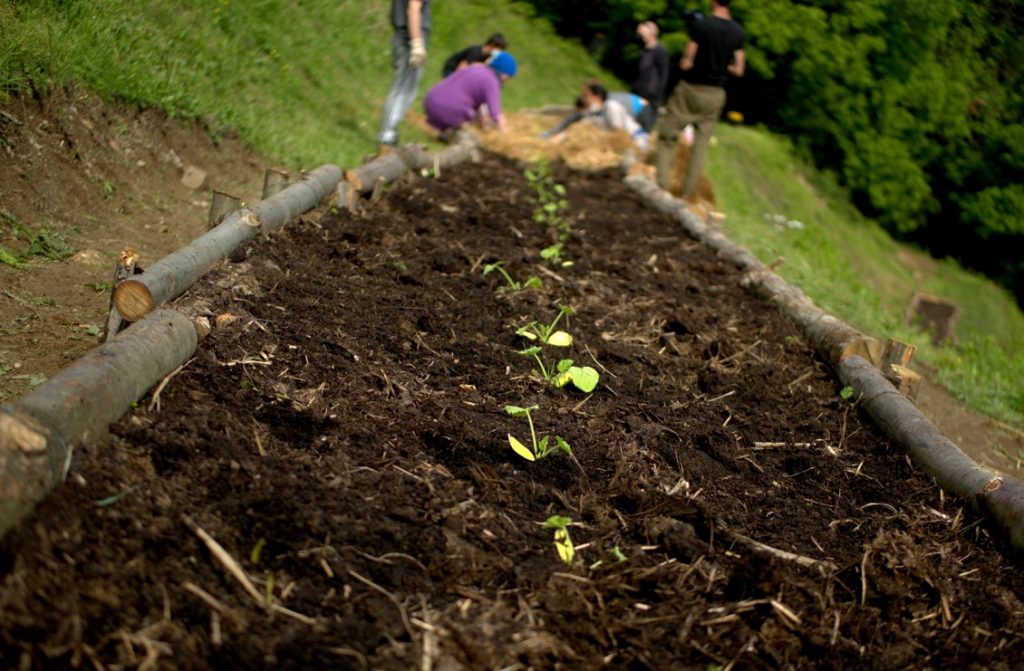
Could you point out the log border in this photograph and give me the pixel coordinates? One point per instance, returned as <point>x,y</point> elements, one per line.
<point>854,357</point>
<point>39,431</point>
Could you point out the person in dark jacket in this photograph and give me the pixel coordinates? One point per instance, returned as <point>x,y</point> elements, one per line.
<point>714,52</point>
<point>477,53</point>
<point>652,70</point>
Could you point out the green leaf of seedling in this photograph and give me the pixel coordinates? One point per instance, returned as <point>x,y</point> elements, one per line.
<point>562,379</point>
<point>584,377</point>
<point>516,411</point>
<point>560,190</point>
<point>491,267</point>
<point>520,449</point>
<point>257,550</point>
<point>533,282</point>
<point>559,339</point>
<point>562,445</point>
<point>530,351</point>
<point>557,522</point>
<point>552,252</point>
<point>566,551</point>
<point>617,553</point>
<point>846,393</point>
<point>528,331</point>
<point>564,365</point>
<point>93,330</point>
<point>542,447</point>
<point>111,500</point>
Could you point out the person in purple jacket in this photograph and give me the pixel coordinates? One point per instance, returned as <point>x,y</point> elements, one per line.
<point>459,97</point>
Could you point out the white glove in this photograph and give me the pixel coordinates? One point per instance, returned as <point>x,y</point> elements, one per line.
<point>417,52</point>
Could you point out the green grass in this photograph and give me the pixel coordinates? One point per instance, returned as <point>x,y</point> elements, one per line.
<point>850,267</point>
<point>303,83</point>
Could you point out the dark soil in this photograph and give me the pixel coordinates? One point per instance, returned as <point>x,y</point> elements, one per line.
<point>344,439</point>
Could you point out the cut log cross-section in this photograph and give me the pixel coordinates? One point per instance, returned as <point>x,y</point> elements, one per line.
<point>127,266</point>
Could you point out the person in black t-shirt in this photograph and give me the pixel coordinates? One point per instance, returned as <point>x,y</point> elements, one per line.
<point>477,53</point>
<point>652,70</point>
<point>714,52</point>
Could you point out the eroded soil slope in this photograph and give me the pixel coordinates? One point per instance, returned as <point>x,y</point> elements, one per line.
<point>344,440</point>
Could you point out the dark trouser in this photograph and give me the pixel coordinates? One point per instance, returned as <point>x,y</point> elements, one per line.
<point>648,117</point>
<point>700,105</point>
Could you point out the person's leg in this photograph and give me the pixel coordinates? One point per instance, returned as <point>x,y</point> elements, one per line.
<point>403,91</point>
<point>648,117</point>
<point>677,115</point>
<point>707,102</point>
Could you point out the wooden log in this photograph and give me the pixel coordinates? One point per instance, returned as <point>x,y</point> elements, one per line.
<point>172,275</point>
<point>127,266</point>
<point>274,181</point>
<point>655,197</point>
<point>221,204</point>
<point>1000,496</point>
<point>39,431</point>
<point>388,167</point>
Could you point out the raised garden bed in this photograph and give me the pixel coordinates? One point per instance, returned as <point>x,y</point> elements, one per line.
<point>344,439</point>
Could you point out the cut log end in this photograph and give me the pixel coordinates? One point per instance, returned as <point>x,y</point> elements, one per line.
<point>18,435</point>
<point>133,300</point>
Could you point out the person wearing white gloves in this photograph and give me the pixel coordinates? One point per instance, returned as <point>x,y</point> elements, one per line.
<point>410,20</point>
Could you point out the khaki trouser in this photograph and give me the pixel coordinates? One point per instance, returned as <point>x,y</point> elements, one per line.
<point>700,105</point>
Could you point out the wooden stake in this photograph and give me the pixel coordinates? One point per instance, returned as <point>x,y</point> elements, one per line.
<point>898,352</point>
<point>274,180</point>
<point>906,381</point>
<point>222,204</point>
<point>127,265</point>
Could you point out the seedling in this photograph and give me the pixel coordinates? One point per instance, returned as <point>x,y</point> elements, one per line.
<point>546,333</point>
<point>532,282</point>
<point>846,393</point>
<point>537,449</point>
<point>566,550</point>
<point>565,371</point>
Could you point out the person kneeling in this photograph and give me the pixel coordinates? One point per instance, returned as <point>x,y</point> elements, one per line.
<point>462,96</point>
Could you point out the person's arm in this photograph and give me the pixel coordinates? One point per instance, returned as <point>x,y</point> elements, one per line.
<point>690,53</point>
<point>417,47</point>
<point>739,63</point>
<point>499,120</point>
<point>562,125</point>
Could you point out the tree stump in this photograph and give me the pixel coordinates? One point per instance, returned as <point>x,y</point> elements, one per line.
<point>127,265</point>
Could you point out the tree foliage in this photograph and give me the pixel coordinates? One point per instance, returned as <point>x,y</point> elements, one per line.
<point>916,104</point>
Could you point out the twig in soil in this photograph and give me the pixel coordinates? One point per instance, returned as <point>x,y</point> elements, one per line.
<point>349,652</point>
<point>788,617</point>
<point>211,601</point>
<point>864,577</point>
<point>748,646</point>
<point>155,402</point>
<point>552,274</point>
<point>598,363</point>
<point>741,352</point>
<point>822,565</point>
<point>239,574</point>
<point>800,379</point>
<point>719,398</point>
<point>258,441</point>
<point>398,604</point>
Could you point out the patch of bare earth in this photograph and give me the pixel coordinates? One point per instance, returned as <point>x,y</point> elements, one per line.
<point>344,442</point>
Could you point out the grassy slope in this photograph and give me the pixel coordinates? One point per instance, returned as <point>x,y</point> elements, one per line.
<point>304,84</point>
<point>850,267</point>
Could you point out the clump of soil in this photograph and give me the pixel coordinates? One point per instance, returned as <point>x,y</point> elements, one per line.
<point>344,439</point>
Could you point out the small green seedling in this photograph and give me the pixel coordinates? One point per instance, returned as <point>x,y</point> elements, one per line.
<point>846,393</point>
<point>566,550</point>
<point>546,333</point>
<point>532,282</point>
<point>583,378</point>
<point>537,450</point>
